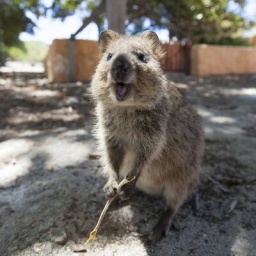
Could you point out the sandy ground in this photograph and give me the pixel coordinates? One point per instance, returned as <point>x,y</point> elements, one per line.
<point>51,191</point>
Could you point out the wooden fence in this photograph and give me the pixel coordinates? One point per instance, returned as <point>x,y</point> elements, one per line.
<point>207,60</point>
<point>71,60</point>
<point>177,56</point>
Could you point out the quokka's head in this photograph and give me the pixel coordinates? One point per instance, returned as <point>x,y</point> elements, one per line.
<point>129,72</point>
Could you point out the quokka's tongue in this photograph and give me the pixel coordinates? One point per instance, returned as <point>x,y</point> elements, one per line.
<point>121,90</point>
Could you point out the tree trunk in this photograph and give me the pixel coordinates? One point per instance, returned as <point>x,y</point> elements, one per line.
<point>116,14</point>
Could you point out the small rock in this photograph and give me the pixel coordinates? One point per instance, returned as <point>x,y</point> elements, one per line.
<point>59,236</point>
<point>71,100</point>
<point>78,248</point>
<point>47,250</point>
<point>37,247</point>
<point>94,156</point>
<point>14,161</point>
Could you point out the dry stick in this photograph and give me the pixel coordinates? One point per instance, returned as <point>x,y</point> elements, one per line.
<point>197,203</point>
<point>223,189</point>
<point>108,203</point>
<point>236,181</point>
<point>232,206</point>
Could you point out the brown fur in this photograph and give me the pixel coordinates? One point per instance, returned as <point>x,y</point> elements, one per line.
<point>150,131</point>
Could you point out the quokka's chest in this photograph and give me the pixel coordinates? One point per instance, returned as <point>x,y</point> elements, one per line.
<point>125,130</point>
<point>131,128</point>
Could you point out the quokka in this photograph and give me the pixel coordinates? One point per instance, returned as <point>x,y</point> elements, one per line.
<point>145,127</point>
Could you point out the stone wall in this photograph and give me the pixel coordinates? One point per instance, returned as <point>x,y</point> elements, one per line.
<point>222,60</point>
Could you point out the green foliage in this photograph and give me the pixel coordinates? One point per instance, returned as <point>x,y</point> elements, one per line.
<point>13,20</point>
<point>33,51</point>
<point>236,41</point>
<point>16,53</point>
<point>206,21</point>
<point>203,21</point>
<point>3,53</point>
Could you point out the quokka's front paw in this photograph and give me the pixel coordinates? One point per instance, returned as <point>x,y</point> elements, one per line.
<point>110,188</point>
<point>127,191</point>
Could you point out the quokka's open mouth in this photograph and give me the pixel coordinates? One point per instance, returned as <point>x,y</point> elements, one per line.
<point>122,90</point>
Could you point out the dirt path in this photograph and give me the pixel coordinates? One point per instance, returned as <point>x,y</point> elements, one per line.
<point>51,193</point>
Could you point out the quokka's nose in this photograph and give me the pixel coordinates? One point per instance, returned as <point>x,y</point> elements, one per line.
<point>120,68</point>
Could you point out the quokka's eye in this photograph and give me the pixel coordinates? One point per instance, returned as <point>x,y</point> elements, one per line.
<point>109,56</point>
<point>142,57</point>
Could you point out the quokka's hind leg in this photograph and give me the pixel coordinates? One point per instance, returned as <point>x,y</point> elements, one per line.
<point>174,200</point>
<point>163,225</point>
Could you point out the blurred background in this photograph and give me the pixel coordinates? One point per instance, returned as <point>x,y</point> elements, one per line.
<point>28,28</point>
<point>50,179</point>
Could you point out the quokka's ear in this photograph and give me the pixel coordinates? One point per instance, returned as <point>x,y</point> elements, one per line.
<point>105,38</point>
<point>154,42</point>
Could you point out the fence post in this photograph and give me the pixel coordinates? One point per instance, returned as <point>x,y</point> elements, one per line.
<point>187,57</point>
<point>72,59</point>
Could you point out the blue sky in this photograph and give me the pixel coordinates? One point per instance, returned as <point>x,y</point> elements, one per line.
<point>49,29</point>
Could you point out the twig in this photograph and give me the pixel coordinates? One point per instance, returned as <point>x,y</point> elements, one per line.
<point>236,181</point>
<point>215,182</point>
<point>232,206</point>
<point>93,233</point>
<point>94,156</point>
<point>197,203</point>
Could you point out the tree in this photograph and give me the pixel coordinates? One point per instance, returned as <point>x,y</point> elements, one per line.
<point>203,21</point>
<point>13,20</point>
